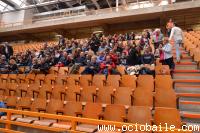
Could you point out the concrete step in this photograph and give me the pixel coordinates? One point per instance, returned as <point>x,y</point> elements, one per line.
<point>186,67</point>
<point>186,76</point>
<point>189,105</point>
<point>187,71</point>
<point>192,95</point>
<point>187,89</point>
<point>191,115</point>
<point>186,63</point>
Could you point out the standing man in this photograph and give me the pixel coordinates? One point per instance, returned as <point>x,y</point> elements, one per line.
<point>8,50</point>
<point>177,36</point>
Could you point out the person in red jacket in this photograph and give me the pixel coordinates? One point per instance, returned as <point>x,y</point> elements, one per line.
<point>108,66</point>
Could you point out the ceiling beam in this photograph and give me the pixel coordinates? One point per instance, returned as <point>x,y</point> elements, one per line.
<point>11,3</point>
<point>96,4</point>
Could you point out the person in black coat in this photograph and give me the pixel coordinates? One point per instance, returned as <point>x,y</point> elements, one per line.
<point>7,50</point>
<point>133,57</point>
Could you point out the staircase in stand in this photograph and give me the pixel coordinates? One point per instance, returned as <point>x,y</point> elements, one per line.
<point>187,86</point>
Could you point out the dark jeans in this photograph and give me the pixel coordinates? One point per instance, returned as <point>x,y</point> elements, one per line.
<point>170,63</point>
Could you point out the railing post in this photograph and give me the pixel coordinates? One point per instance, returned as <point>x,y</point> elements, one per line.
<point>9,119</point>
<point>73,125</point>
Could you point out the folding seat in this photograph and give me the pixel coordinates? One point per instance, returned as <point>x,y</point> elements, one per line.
<point>146,82</point>
<point>165,98</point>
<point>12,89</point>
<point>88,94</point>
<point>82,68</point>
<point>45,91</point>
<point>52,107</point>
<point>142,97</point>
<point>140,115</point>
<point>3,89</point>
<point>72,93</point>
<point>89,112</point>
<point>38,105</point>
<point>63,70</point>
<point>62,80</point>
<point>71,108</point>
<point>24,103</point>
<point>163,81</point>
<point>105,95</point>
<point>59,92</point>
<point>50,79</point>
<point>121,69</point>
<point>33,91</point>
<point>22,89</point>
<point>85,80</point>
<point>12,78</point>
<point>73,79</point>
<point>21,78</point>
<point>11,102</point>
<point>113,80</point>
<point>128,81</point>
<point>167,117</point>
<point>114,112</point>
<point>4,78</point>
<point>162,70</point>
<point>40,79</point>
<point>99,80</point>
<point>30,78</point>
<point>124,96</point>
<point>54,70</point>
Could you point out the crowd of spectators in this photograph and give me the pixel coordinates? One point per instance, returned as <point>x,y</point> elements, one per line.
<point>99,53</point>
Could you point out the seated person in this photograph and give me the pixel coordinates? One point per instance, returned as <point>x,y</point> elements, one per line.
<point>92,67</point>
<point>12,67</point>
<point>147,57</point>
<point>108,66</point>
<point>3,65</point>
<point>81,59</point>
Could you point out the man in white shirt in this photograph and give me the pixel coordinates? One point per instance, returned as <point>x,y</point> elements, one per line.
<point>177,36</point>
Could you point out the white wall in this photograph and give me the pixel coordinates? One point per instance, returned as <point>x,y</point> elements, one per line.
<point>13,17</point>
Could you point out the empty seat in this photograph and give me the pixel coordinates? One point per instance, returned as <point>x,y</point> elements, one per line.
<point>22,89</point>
<point>128,81</point>
<point>12,89</point>
<point>4,78</point>
<point>50,79</point>
<point>143,97</point>
<point>162,70</point>
<point>70,109</point>
<point>85,80</point>
<point>33,90</point>
<point>105,95</point>
<point>165,98</point>
<point>21,78</point>
<point>63,70</point>
<point>59,92</point>
<point>140,115</point>
<point>124,96</point>
<point>88,94</point>
<point>99,80</point>
<point>53,107</point>
<point>113,80</point>
<point>72,93</point>
<point>12,78</point>
<point>146,82</point>
<point>39,79</point>
<point>163,81</point>
<point>171,116</point>
<point>24,103</point>
<point>92,111</point>
<point>114,113</point>
<point>30,78</point>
